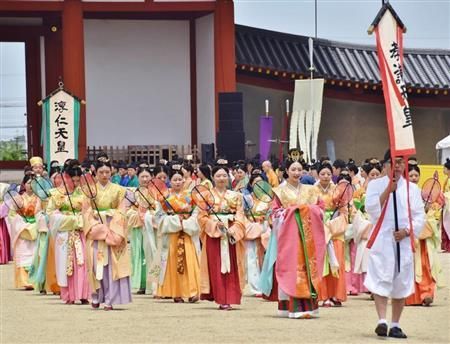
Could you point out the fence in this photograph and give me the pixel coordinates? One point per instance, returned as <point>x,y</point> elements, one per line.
<point>150,153</point>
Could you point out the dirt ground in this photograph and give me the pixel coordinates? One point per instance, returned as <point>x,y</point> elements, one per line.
<point>26,317</point>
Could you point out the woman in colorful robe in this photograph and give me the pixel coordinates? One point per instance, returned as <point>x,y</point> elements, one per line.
<point>332,289</point>
<point>106,245</point>
<point>25,225</point>
<point>445,224</point>
<point>357,253</point>
<point>297,246</point>
<point>179,276</point>
<point>135,220</point>
<point>5,241</point>
<point>257,233</point>
<point>222,264</point>
<point>428,271</point>
<point>66,225</point>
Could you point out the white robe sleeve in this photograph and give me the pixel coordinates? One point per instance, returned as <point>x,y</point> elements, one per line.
<point>372,205</point>
<point>190,225</point>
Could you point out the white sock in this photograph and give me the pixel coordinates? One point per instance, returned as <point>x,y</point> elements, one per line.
<point>395,324</point>
<point>382,321</point>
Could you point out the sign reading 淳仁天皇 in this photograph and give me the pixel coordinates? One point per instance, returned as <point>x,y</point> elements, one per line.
<point>60,126</point>
<point>389,36</point>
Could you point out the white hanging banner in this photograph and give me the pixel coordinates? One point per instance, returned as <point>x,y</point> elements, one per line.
<point>61,118</point>
<point>308,96</point>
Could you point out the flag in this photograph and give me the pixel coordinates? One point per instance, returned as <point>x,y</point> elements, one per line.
<point>265,136</point>
<point>389,37</point>
<point>60,126</point>
<point>306,116</point>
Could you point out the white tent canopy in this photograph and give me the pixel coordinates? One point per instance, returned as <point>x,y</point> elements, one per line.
<point>443,148</point>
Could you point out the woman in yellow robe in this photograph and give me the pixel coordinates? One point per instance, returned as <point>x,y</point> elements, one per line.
<point>66,225</point>
<point>107,250</point>
<point>178,229</point>
<point>25,222</point>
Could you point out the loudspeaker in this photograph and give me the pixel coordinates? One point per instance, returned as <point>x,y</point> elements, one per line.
<point>231,137</point>
<point>208,153</point>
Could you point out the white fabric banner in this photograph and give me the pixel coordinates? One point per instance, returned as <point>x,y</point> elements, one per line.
<point>61,112</point>
<point>390,56</point>
<point>308,96</point>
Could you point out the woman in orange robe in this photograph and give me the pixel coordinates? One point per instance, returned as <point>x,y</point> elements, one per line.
<point>332,290</point>
<point>428,271</point>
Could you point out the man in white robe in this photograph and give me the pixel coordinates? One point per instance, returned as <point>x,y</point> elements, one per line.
<point>383,278</point>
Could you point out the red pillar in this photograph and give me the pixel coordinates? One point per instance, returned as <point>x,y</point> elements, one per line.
<point>73,60</point>
<point>224,50</point>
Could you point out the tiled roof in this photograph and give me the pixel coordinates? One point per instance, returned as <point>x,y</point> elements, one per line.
<point>281,52</point>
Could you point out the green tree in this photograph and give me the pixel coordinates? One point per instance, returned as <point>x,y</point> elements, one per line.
<point>12,150</point>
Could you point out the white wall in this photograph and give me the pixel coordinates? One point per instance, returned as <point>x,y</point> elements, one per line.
<point>137,82</point>
<point>204,39</point>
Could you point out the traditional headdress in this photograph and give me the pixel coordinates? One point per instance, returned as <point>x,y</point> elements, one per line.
<point>36,160</point>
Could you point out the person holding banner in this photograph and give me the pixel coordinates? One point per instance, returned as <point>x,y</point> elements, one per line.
<point>180,247</point>
<point>66,224</point>
<point>428,272</point>
<point>105,229</point>
<point>222,267</point>
<point>386,276</point>
<point>446,210</point>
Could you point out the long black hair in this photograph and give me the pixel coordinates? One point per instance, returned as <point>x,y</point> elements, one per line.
<point>206,171</point>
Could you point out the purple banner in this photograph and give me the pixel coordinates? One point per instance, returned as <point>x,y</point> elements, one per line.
<point>265,134</point>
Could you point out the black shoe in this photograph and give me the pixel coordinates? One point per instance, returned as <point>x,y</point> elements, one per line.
<point>382,330</point>
<point>396,332</point>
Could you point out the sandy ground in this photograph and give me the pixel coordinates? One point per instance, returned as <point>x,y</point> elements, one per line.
<point>27,317</point>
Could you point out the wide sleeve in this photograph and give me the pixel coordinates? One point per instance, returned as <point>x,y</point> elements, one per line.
<point>208,224</point>
<point>417,210</point>
<point>169,224</point>
<point>372,206</point>
<point>237,229</point>
<point>190,225</point>
<point>62,222</point>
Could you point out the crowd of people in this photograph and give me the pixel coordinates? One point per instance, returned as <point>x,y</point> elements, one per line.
<point>192,232</point>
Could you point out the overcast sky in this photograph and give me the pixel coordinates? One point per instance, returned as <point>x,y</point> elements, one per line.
<point>427,21</point>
